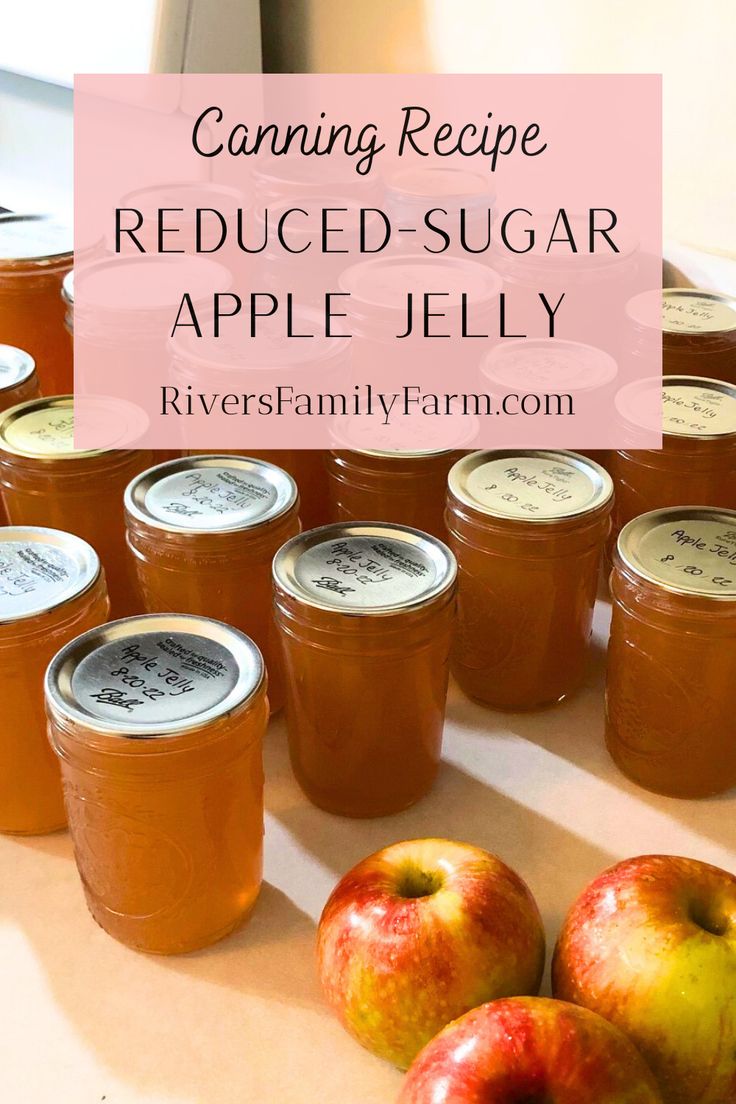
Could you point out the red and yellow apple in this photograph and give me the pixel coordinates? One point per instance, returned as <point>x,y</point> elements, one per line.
<point>421,932</point>
<point>651,945</point>
<point>529,1050</point>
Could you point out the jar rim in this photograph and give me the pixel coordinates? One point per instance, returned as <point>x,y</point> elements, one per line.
<point>692,562</point>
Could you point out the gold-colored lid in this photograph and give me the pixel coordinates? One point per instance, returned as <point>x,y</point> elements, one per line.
<point>689,406</point>
<point>364,568</point>
<point>43,429</point>
<point>684,310</point>
<point>532,485</point>
<point>688,550</point>
<point>186,672</point>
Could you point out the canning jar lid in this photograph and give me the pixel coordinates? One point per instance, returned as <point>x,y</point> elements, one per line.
<point>155,675</point>
<point>364,568</point>
<point>43,429</point>
<point>547,362</point>
<point>36,238</point>
<point>16,366</point>
<point>439,181</point>
<point>691,406</point>
<point>686,311</point>
<point>382,282</point>
<point>368,436</point>
<point>42,569</point>
<point>688,550</point>
<point>530,485</point>
<point>210,494</point>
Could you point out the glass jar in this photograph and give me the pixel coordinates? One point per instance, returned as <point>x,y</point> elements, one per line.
<point>44,480</point>
<point>698,331</point>
<point>203,533</point>
<point>408,488</point>
<point>671,687</point>
<point>528,529</point>
<point>51,589</point>
<point>35,255</point>
<point>158,724</point>
<point>365,614</point>
<point>697,461</point>
<point>461,199</point>
<point>308,470</point>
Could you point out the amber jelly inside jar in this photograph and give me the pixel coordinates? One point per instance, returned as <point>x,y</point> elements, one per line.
<point>697,461</point>
<point>51,589</point>
<point>528,530</point>
<point>46,480</point>
<point>35,255</point>
<point>671,688</point>
<point>365,613</point>
<point>203,532</point>
<point>158,723</point>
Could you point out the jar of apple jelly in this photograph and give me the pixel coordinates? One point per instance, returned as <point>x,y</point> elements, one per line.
<point>35,255</point>
<point>460,201</point>
<point>44,480</point>
<point>404,487</point>
<point>528,529</point>
<point>158,724</point>
<point>365,614</point>
<point>51,589</point>
<point>697,461</point>
<point>671,688</point>
<point>203,533</point>
<point>698,331</point>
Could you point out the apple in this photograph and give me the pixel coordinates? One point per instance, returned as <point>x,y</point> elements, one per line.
<point>529,1050</point>
<point>651,945</point>
<point>419,933</point>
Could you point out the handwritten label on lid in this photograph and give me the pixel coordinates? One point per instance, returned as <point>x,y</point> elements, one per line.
<point>366,572</point>
<point>48,431</point>
<point>698,410</point>
<point>683,312</point>
<point>154,678</point>
<point>212,498</point>
<point>532,487</point>
<point>695,555</point>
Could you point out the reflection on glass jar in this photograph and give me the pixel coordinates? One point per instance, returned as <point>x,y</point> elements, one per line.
<point>671,688</point>
<point>697,461</point>
<point>51,589</point>
<point>365,614</point>
<point>203,533</point>
<point>158,724</point>
<point>44,480</point>
<point>35,255</point>
<point>528,530</point>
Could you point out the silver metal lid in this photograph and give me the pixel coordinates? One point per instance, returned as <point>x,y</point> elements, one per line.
<point>370,437</point>
<point>691,406</point>
<point>687,550</point>
<point>41,569</point>
<point>383,281</point>
<point>210,494</point>
<point>153,676</point>
<point>16,366</point>
<point>532,485</point>
<point>364,568</point>
<point>34,238</point>
<point>43,429</point>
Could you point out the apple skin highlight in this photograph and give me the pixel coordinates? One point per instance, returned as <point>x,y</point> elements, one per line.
<point>418,934</point>
<point>651,945</point>
<point>529,1050</point>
